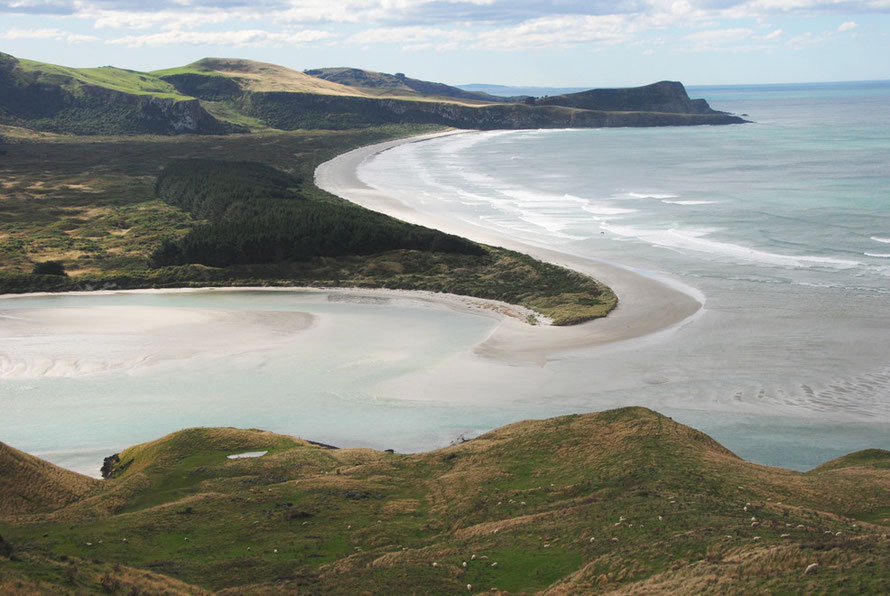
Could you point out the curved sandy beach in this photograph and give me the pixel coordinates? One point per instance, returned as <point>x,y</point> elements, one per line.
<point>645,306</point>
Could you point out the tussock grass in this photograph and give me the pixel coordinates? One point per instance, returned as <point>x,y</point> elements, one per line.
<point>29,484</point>
<point>544,499</point>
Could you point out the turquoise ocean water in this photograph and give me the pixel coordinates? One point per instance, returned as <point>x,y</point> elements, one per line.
<point>782,226</point>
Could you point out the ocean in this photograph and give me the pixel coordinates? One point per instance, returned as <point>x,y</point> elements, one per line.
<point>780,227</point>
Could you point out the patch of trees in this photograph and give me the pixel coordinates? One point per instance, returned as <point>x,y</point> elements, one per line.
<point>254,214</point>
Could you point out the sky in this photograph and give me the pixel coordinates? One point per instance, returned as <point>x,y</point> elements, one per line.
<point>571,43</point>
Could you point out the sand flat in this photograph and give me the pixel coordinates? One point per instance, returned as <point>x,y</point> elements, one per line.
<point>77,341</point>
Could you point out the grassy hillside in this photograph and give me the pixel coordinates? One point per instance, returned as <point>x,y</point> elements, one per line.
<point>379,84</point>
<point>260,76</point>
<point>230,95</point>
<point>621,501</point>
<point>29,484</point>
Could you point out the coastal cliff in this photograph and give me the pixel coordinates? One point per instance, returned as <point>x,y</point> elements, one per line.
<point>291,111</point>
<point>664,96</point>
<point>222,96</point>
<point>60,102</point>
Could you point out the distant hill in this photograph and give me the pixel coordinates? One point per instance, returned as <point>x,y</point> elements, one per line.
<point>625,501</point>
<point>249,75</point>
<point>397,84</point>
<point>665,96</point>
<point>519,91</point>
<point>228,95</point>
<point>103,100</point>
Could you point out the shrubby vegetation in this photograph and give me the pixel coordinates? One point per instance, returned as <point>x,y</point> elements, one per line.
<point>49,268</point>
<point>96,212</point>
<point>255,215</point>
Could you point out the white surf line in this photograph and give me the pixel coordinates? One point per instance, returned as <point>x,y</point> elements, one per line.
<point>646,305</point>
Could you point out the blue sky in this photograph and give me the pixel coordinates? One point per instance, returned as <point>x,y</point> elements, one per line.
<point>511,42</point>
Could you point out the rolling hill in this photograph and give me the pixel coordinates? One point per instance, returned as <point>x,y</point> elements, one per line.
<point>623,501</point>
<point>378,83</point>
<point>223,96</point>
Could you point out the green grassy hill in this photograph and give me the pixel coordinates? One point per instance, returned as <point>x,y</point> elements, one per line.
<point>228,95</point>
<point>624,501</point>
<point>91,101</point>
<point>380,84</point>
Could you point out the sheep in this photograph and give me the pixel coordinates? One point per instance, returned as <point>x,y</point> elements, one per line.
<point>495,564</point>
<point>464,564</point>
<point>469,587</point>
<point>811,568</point>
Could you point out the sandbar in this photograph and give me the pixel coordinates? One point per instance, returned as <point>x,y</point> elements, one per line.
<point>646,305</point>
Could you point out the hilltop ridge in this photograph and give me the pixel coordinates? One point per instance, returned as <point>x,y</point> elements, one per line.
<point>228,95</point>
<point>624,501</point>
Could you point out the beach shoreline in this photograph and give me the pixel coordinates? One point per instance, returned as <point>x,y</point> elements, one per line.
<point>646,306</point>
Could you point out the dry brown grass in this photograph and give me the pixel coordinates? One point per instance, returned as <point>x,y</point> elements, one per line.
<point>261,76</point>
<point>29,484</point>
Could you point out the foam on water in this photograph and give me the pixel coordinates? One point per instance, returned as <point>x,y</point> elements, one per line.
<point>882,240</point>
<point>695,240</point>
<point>667,202</point>
<point>650,195</point>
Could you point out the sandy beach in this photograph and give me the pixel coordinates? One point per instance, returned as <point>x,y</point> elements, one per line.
<point>646,305</point>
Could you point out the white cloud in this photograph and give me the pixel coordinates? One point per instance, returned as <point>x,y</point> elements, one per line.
<point>556,32</point>
<point>442,24</point>
<point>54,34</point>
<point>407,35</point>
<point>808,39</point>
<point>240,38</point>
